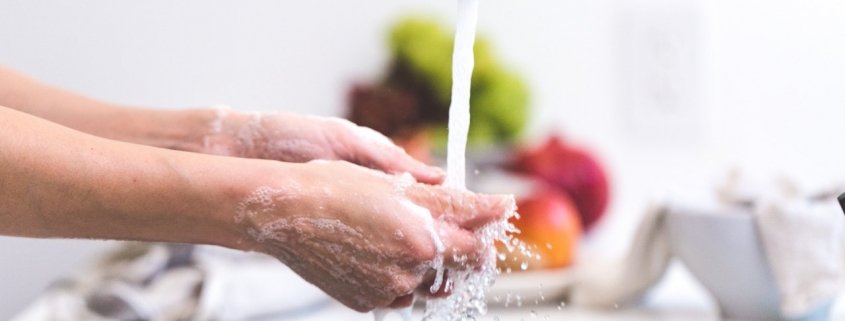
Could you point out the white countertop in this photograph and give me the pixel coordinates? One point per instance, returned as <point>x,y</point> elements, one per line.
<point>678,297</point>
<point>338,312</point>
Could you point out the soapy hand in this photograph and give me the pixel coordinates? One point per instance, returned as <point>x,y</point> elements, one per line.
<point>301,138</point>
<point>366,238</point>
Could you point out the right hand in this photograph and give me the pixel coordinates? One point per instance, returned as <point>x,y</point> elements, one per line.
<point>298,138</point>
<point>361,235</point>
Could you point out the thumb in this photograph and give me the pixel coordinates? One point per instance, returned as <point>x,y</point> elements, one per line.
<point>372,149</point>
<point>396,161</point>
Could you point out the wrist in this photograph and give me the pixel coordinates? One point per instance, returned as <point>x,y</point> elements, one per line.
<point>183,130</point>
<point>246,194</point>
<point>229,133</point>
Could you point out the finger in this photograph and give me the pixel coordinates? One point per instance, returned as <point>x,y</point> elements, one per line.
<point>371,148</point>
<point>395,160</point>
<point>463,208</point>
<point>402,301</point>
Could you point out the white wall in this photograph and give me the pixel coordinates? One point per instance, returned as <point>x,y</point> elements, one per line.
<point>767,80</point>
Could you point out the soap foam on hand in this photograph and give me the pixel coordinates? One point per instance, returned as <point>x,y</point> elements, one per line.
<point>468,288</point>
<point>467,300</point>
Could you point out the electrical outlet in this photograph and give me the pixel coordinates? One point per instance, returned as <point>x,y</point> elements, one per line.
<point>658,68</point>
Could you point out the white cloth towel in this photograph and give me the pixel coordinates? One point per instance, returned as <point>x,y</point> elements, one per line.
<point>802,234</point>
<point>611,284</point>
<point>180,282</point>
<point>802,231</point>
<point>804,241</point>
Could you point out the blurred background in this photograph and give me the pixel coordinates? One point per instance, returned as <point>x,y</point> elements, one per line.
<point>666,96</point>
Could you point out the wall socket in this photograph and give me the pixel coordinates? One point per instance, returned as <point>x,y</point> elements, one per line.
<point>658,69</point>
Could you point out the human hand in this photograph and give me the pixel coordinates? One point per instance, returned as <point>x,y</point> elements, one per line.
<point>301,138</point>
<point>366,238</point>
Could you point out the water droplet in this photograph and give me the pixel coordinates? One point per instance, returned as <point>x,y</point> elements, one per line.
<point>549,246</point>
<point>533,314</point>
<point>524,266</point>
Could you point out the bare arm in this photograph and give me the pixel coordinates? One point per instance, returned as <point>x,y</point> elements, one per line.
<point>57,182</point>
<point>275,136</point>
<point>180,130</point>
<point>364,237</point>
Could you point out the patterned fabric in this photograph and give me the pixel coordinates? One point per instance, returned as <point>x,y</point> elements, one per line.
<point>170,282</point>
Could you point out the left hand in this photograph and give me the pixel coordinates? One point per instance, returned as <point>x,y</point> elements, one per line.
<point>300,138</point>
<point>371,247</point>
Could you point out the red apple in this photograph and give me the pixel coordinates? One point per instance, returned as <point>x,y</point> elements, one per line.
<point>550,226</point>
<point>570,169</point>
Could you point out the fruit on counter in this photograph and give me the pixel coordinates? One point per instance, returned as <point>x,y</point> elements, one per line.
<point>570,169</point>
<point>550,226</point>
<point>499,101</point>
<point>383,109</point>
<point>415,91</point>
<point>426,47</point>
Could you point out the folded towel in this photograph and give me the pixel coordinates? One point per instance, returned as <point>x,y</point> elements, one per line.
<point>804,242</point>
<point>613,284</point>
<point>802,234</point>
<point>179,282</point>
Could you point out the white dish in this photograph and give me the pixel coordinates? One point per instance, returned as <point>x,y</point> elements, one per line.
<point>540,287</point>
<point>723,251</point>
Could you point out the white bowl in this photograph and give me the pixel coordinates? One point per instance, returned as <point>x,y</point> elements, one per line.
<point>723,251</point>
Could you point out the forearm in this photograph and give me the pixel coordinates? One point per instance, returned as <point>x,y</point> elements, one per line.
<point>57,182</point>
<point>181,130</point>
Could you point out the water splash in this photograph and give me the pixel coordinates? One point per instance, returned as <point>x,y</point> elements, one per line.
<point>468,287</point>
<point>467,301</point>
